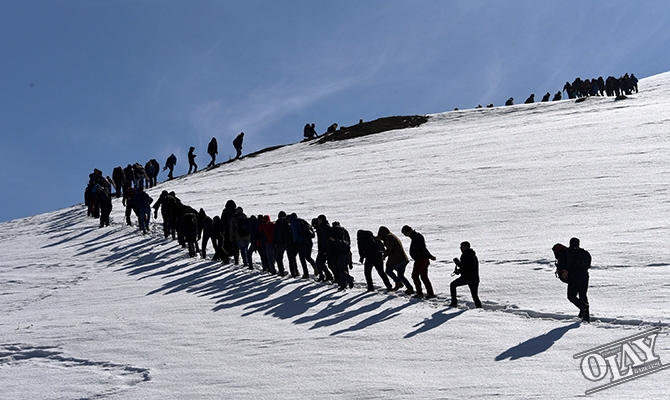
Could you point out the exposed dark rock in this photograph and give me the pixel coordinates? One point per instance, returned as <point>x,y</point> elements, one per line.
<point>372,127</point>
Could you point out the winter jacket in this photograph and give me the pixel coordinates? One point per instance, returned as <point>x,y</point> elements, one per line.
<point>417,248</point>
<point>267,229</point>
<point>468,266</point>
<point>369,247</point>
<point>394,253</point>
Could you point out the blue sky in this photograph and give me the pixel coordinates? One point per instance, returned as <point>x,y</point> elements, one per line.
<point>96,84</point>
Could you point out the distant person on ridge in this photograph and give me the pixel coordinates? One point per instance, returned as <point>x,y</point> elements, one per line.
<point>169,164</point>
<point>545,98</point>
<point>332,128</point>
<point>191,161</point>
<point>634,81</point>
<point>422,257</point>
<point>468,269</point>
<point>310,131</point>
<point>237,143</point>
<point>510,101</point>
<point>530,99</point>
<point>212,150</point>
<point>557,96</point>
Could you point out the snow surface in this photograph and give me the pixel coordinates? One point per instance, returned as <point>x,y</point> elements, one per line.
<point>91,313</point>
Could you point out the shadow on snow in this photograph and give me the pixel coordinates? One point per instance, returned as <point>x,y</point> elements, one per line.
<point>536,345</point>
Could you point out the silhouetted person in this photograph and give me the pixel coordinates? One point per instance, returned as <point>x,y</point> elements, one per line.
<point>191,161</point>
<point>169,164</point>
<point>339,251</point>
<point>577,264</point>
<point>371,251</point>
<point>237,143</point>
<point>422,257</point>
<point>119,180</point>
<point>212,150</point>
<point>310,131</point>
<point>396,259</point>
<point>468,269</point>
<point>530,99</point>
<point>104,199</point>
<point>557,96</point>
<point>510,101</point>
<point>545,98</point>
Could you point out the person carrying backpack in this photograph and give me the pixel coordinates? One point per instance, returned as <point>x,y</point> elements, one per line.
<point>339,251</point>
<point>302,237</point>
<point>322,228</point>
<point>169,164</point>
<point>239,229</point>
<point>577,264</point>
<point>371,252</point>
<point>396,260</point>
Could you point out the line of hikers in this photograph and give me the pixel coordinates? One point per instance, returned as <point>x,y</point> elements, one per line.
<point>611,87</point>
<point>134,178</point>
<point>234,235</point>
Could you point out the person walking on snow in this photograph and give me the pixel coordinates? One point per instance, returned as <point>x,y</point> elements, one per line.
<point>191,161</point>
<point>237,143</point>
<point>422,257</point>
<point>212,150</point>
<point>396,260</point>
<point>468,269</point>
<point>169,164</point>
<point>578,262</point>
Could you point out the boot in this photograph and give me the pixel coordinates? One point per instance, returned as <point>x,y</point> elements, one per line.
<point>409,290</point>
<point>397,286</point>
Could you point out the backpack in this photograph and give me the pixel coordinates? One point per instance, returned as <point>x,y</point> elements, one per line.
<point>379,245</point>
<point>243,226</point>
<point>306,229</point>
<point>560,252</point>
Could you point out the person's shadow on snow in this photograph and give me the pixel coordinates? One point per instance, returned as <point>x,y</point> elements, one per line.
<point>436,320</point>
<point>536,345</point>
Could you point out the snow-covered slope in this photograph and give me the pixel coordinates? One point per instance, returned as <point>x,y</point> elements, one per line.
<point>109,313</point>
